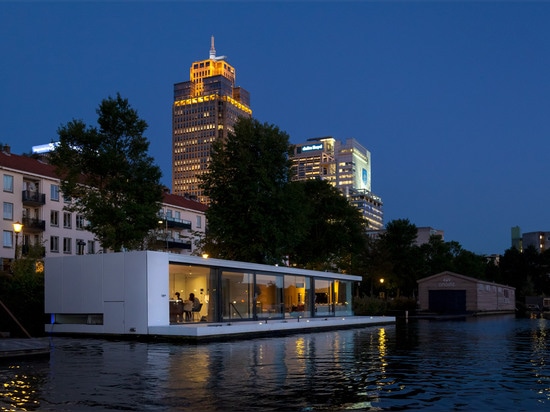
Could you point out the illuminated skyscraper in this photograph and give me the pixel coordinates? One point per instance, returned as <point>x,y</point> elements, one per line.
<point>346,166</point>
<point>205,109</point>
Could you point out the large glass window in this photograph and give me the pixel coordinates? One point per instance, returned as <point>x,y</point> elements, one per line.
<point>269,296</point>
<point>296,296</point>
<point>324,297</point>
<point>342,298</point>
<point>237,295</point>
<point>196,280</point>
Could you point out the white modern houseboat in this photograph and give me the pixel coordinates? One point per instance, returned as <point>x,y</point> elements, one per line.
<point>134,293</point>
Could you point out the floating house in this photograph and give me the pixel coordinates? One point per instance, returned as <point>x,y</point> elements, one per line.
<point>134,293</point>
<point>452,293</point>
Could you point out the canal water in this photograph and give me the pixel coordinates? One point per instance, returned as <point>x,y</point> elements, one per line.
<point>475,364</point>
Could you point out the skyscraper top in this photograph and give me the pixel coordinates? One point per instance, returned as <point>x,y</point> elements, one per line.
<point>213,51</point>
<point>212,48</point>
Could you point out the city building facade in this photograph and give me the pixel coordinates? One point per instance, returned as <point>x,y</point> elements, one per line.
<point>205,109</point>
<point>539,240</point>
<point>31,196</point>
<point>346,166</point>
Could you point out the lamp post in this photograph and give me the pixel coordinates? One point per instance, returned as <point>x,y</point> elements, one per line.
<point>382,294</point>
<point>165,221</point>
<point>17,227</point>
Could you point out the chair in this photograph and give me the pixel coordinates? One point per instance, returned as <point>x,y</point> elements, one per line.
<point>196,310</point>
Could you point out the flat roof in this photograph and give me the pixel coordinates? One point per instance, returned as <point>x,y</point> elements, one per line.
<point>256,267</point>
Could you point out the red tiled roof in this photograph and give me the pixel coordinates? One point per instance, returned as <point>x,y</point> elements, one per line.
<point>181,201</point>
<point>26,164</point>
<point>38,167</point>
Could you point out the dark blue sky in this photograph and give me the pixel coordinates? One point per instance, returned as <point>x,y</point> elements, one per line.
<point>451,97</point>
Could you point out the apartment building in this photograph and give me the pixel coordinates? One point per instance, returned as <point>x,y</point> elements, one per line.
<point>31,196</point>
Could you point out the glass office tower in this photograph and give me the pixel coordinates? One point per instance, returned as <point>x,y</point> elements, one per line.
<point>205,109</point>
<point>346,166</point>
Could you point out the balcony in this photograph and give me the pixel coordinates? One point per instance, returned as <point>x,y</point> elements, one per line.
<point>31,225</point>
<point>33,198</point>
<point>173,223</point>
<point>179,224</point>
<point>171,243</point>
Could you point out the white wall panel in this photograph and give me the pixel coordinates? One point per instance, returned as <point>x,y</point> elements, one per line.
<point>157,288</point>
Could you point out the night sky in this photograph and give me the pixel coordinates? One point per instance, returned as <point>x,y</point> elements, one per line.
<point>450,97</point>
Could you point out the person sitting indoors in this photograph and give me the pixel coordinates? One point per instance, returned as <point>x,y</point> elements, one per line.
<point>194,303</point>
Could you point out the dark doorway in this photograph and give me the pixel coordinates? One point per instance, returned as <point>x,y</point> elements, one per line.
<point>447,301</point>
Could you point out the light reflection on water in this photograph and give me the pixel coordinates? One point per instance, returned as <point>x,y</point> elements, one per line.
<point>496,363</point>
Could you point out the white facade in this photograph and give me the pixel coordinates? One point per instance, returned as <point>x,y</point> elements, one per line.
<point>130,293</point>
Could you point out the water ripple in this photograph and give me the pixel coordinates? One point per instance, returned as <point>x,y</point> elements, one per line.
<point>498,364</point>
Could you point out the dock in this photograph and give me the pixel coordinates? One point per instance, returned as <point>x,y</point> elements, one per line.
<point>12,348</point>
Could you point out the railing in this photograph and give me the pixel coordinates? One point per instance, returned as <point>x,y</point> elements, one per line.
<point>173,223</point>
<point>178,223</point>
<point>33,225</point>
<point>33,198</point>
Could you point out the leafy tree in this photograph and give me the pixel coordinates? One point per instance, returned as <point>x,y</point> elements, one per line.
<point>253,215</point>
<point>437,255</point>
<point>22,293</point>
<point>470,264</point>
<point>374,263</point>
<point>334,229</point>
<point>108,174</point>
<point>399,239</point>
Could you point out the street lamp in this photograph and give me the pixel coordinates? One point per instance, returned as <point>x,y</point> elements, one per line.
<point>165,221</point>
<point>382,294</point>
<point>17,227</point>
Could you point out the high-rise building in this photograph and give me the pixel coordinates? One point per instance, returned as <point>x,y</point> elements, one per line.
<point>345,165</point>
<point>205,109</point>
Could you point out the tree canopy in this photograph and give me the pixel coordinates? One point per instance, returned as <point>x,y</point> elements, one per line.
<point>250,217</point>
<point>396,258</point>
<point>334,228</point>
<point>106,171</point>
<point>257,214</point>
